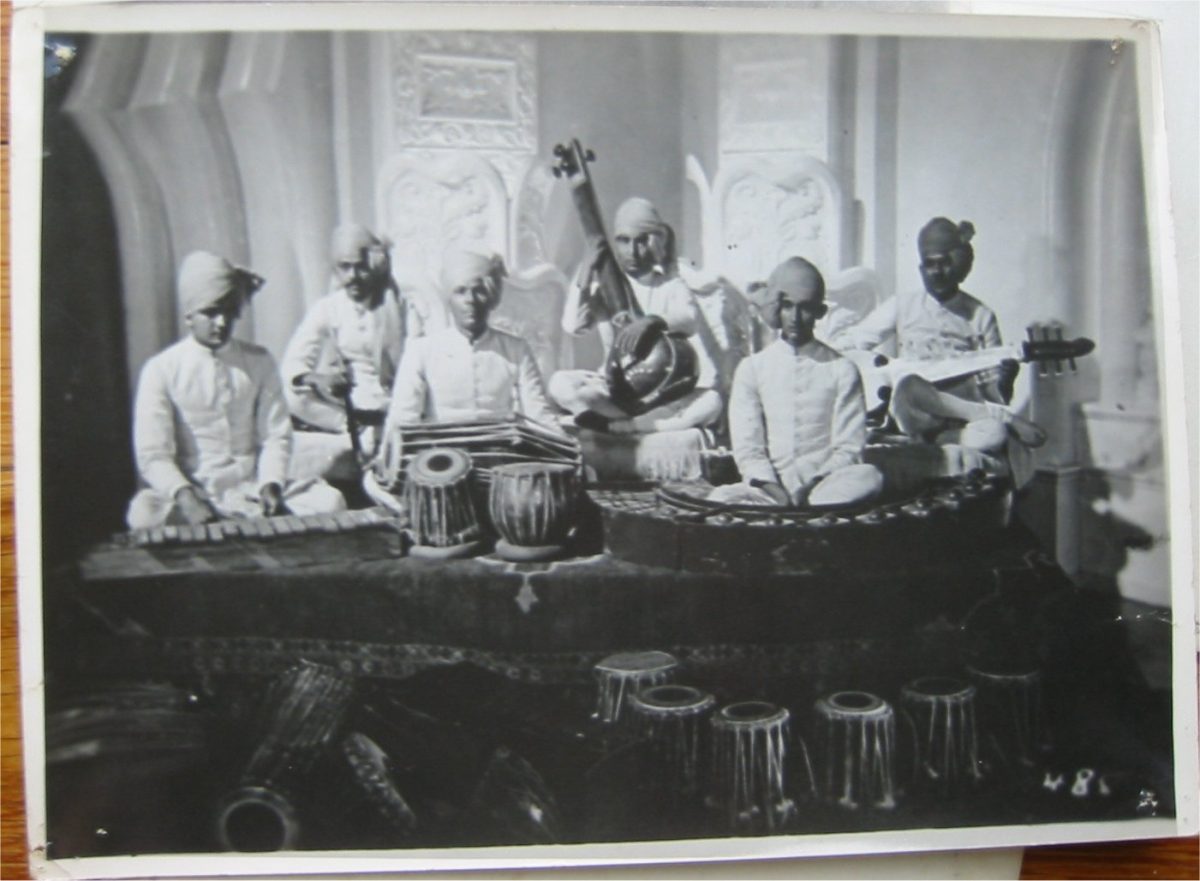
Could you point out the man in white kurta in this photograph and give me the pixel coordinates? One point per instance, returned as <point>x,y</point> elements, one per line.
<point>644,247</point>
<point>797,418</point>
<point>211,432</point>
<point>351,340</point>
<point>469,371</point>
<point>939,322</point>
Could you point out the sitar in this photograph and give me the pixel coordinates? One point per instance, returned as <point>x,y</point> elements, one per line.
<point>880,373</point>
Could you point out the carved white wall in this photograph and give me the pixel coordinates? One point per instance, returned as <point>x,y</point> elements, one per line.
<point>456,153</point>
<point>760,210</point>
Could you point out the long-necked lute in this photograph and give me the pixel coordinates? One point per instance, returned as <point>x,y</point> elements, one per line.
<point>667,368</point>
<point>880,373</point>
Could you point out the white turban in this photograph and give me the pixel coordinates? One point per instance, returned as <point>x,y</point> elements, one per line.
<point>205,279</point>
<point>464,267</point>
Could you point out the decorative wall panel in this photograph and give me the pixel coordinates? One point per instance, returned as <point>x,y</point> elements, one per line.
<point>464,91</point>
<point>774,95</point>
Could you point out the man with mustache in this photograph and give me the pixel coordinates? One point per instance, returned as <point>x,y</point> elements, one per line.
<point>797,417</point>
<point>644,248</point>
<point>939,322</point>
<point>211,430</point>
<point>350,342</point>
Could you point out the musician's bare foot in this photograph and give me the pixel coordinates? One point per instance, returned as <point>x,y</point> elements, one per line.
<point>1026,431</point>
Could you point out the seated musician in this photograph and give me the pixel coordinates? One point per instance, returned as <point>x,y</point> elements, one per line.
<point>939,322</point>
<point>349,344</point>
<point>211,430</point>
<point>644,249</point>
<point>797,417</point>
<point>469,371</point>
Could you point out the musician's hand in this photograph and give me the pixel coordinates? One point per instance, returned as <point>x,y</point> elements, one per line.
<point>271,496</point>
<point>1007,378</point>
<point>193,507</point>
<point>331,386</point>
<point>775,490</point>
<point>636,338</point>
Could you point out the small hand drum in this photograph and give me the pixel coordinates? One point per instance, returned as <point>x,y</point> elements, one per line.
<point>441,514</point>
<point>533,508</point>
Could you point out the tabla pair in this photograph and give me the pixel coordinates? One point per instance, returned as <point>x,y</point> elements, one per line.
<point>531,505</point>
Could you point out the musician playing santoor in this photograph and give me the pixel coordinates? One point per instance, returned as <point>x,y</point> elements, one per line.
<point>644,249</point>
<point>938,322</point>
<point>211,431</point>
<point>797,417</point>
<point>470,370</point>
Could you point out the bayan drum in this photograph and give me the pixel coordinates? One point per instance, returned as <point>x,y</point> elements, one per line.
<point>441,513</point>
<point>670,717</point>
<point>856,750</point>
<point>942,713</point>
<point>533,507</point>
<point>749,748</point>
<point>622,675</point>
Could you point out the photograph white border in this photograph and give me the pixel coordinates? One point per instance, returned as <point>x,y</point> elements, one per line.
<point>30,23</point>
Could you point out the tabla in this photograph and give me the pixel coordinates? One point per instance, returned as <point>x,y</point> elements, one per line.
<point>856,750</point>
<point>670,717</point>
<point>441,513</point>
<point>749,749</point>
<point>621,675</point>
<point>533,508</point>
<point>946,746</point>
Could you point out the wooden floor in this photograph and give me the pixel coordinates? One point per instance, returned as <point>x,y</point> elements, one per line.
<point>1177,858</point>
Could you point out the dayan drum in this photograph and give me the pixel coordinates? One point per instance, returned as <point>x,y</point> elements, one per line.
<point>946,747</point>
<point>621,675</point>
<point>671,718</point>
<point>749,748</point>
<point>441,512</point>
<point>533,508</point>
<point>1010,715</point>
<point>856,750</point>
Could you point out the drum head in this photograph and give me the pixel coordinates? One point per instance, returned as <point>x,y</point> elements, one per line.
<point>516,469</point>
<point>439,466</point>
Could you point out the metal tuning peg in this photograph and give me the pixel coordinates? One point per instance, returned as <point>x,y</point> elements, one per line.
<point>1032,332</point>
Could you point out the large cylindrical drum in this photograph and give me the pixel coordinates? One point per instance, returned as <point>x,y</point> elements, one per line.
<point>441,514</point>
<point>533,508</point>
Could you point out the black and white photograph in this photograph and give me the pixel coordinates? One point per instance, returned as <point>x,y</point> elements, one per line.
<point>557,435</point>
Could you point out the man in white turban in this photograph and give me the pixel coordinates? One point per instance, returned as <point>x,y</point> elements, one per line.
<point>644,249</point>
<point>345,353</point>
<point>797,417</point>
<point>470,370</point>
<point>211,431</point>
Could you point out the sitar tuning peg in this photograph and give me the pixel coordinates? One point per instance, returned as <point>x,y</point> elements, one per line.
<point>589,156</point>
<point>560,151</point>
<point>557,172</point>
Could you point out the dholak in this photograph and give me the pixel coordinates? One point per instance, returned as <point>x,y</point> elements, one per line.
<point>856,749</point>
<point>533,507</point>
<point>441,514</point>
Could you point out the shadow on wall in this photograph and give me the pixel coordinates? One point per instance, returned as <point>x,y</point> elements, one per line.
<point>87,467</point>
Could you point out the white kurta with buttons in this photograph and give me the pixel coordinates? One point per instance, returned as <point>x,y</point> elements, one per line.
<point>796,414</point>
<point>214,418</point>
<point>447,377</point>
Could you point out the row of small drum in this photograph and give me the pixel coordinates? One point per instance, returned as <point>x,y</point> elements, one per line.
<point>854,760</point>
<point>531,506</point>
